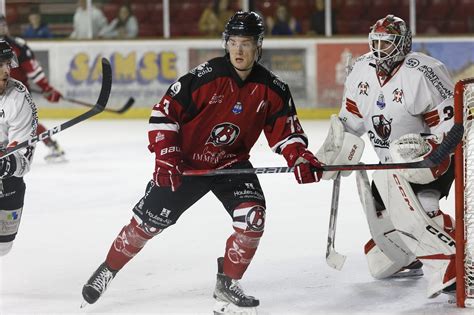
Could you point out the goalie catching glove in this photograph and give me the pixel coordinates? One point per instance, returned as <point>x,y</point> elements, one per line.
<point>304,163</point>
<point>168,161</point>
<point>414,147</point>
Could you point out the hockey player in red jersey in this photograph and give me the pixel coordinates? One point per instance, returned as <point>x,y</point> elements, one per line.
<point>210,118</point>
<point>29,69</point>
<point>17,124</point>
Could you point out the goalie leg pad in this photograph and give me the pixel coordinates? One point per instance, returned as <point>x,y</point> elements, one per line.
<point>389,254</point>
<point>340,147</point>
<point>421,234</point>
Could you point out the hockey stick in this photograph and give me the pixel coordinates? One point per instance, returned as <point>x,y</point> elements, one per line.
<point>333,258</point>
<point>121,110</point>
<point>446,147</point>
<point>96,109</point>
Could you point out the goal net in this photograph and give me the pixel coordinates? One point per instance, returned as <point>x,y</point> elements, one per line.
<point>464,157</point>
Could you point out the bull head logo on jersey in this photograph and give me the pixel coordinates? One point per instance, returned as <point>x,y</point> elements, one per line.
<point>223,134</point>
<point>382,126</point>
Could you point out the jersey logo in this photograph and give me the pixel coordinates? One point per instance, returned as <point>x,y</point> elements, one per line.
<point>412,63</point>
<point>237,109</point>
<point>397,95</point>
<point>223,134</point>
<point>201,70</point>
<point>381,101</point>
<point>174,89</point>
<point>363,88</point>
<point>383,130</point>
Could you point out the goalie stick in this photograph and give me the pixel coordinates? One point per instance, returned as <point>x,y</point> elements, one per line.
<point>446,147</point>
<point>121,110</point>
<point>96,109</point>
<point>333,258</point>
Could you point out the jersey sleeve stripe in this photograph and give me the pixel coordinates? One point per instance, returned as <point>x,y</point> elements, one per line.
<point>290,140</point>
<point>167,127</point>
<point>351,107</point>
<point>432,118</point>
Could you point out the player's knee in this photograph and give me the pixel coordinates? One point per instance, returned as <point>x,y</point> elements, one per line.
<point>135,234</point>
<point>5,248</point>
<point>249,219</point>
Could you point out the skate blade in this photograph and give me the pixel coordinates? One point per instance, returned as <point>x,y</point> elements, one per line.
<point>226,308</point>
<point>408,273</point>
<point>83,304</point>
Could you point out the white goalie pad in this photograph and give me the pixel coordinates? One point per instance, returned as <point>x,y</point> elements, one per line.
<point>422,235</point>
<point>340,147</point>
<point>390,254</point>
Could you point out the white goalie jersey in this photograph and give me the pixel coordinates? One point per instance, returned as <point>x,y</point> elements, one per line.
<point>18,122</point>
<point>418,98</point>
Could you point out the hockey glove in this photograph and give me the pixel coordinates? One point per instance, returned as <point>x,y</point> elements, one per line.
<point>168,162</point>
<point>304,162</point>
<point>417,147</point>
<point>50,93</point>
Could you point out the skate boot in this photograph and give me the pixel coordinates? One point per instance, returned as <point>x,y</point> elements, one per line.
<point>230,296</point>
<point>97,283</point>
<point>415,269</point>
<point>56,154</point>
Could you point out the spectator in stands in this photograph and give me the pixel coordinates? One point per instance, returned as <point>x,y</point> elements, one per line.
<point>125,25</point>
<point>284,23</point>
<point>214,18</point>
<point>81,21</point>
<point>318,19</point>
<point>36,28</point>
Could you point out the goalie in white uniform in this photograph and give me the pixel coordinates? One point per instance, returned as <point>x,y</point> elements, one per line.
<point>18,121</point>
<point>403,100</point>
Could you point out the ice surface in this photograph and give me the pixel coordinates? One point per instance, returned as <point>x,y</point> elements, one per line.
<point>73,211</point>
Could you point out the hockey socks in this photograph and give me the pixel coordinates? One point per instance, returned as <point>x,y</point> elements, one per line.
<point>128,243</point>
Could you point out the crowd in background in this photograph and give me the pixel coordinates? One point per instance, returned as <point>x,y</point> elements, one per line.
<point>125,19</point>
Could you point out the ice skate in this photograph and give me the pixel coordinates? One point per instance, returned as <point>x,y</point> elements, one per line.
<point>97,284</point>
<point>56,154</point>
<point>230,296</point>
<point>413,270</point>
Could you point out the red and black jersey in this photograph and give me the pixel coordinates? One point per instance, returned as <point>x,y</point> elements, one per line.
<point>28,67</point>
<point>217,117</point>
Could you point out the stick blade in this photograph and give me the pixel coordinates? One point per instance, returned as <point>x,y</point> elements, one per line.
<point>335,260</point>
<point>127,105</point>
<point>106,85</point>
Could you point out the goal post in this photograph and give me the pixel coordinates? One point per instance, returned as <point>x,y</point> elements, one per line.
<point>464,193</point>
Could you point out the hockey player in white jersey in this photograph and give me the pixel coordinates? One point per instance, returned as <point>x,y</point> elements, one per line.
<point>403,100</point>
<point>18,121</point>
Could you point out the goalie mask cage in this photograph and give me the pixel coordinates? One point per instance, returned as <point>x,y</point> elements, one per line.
<point>464,194</point>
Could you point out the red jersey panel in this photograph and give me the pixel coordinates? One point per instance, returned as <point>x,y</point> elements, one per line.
<point>218,117</point>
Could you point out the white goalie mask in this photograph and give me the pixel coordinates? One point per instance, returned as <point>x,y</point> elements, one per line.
<point>390,41</point>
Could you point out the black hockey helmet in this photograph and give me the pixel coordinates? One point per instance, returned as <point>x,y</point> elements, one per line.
<point>245,24</point>
<point>7,54</point>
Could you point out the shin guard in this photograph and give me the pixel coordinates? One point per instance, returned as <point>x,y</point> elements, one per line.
<point>249,221</point>
<point>131,239</point>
